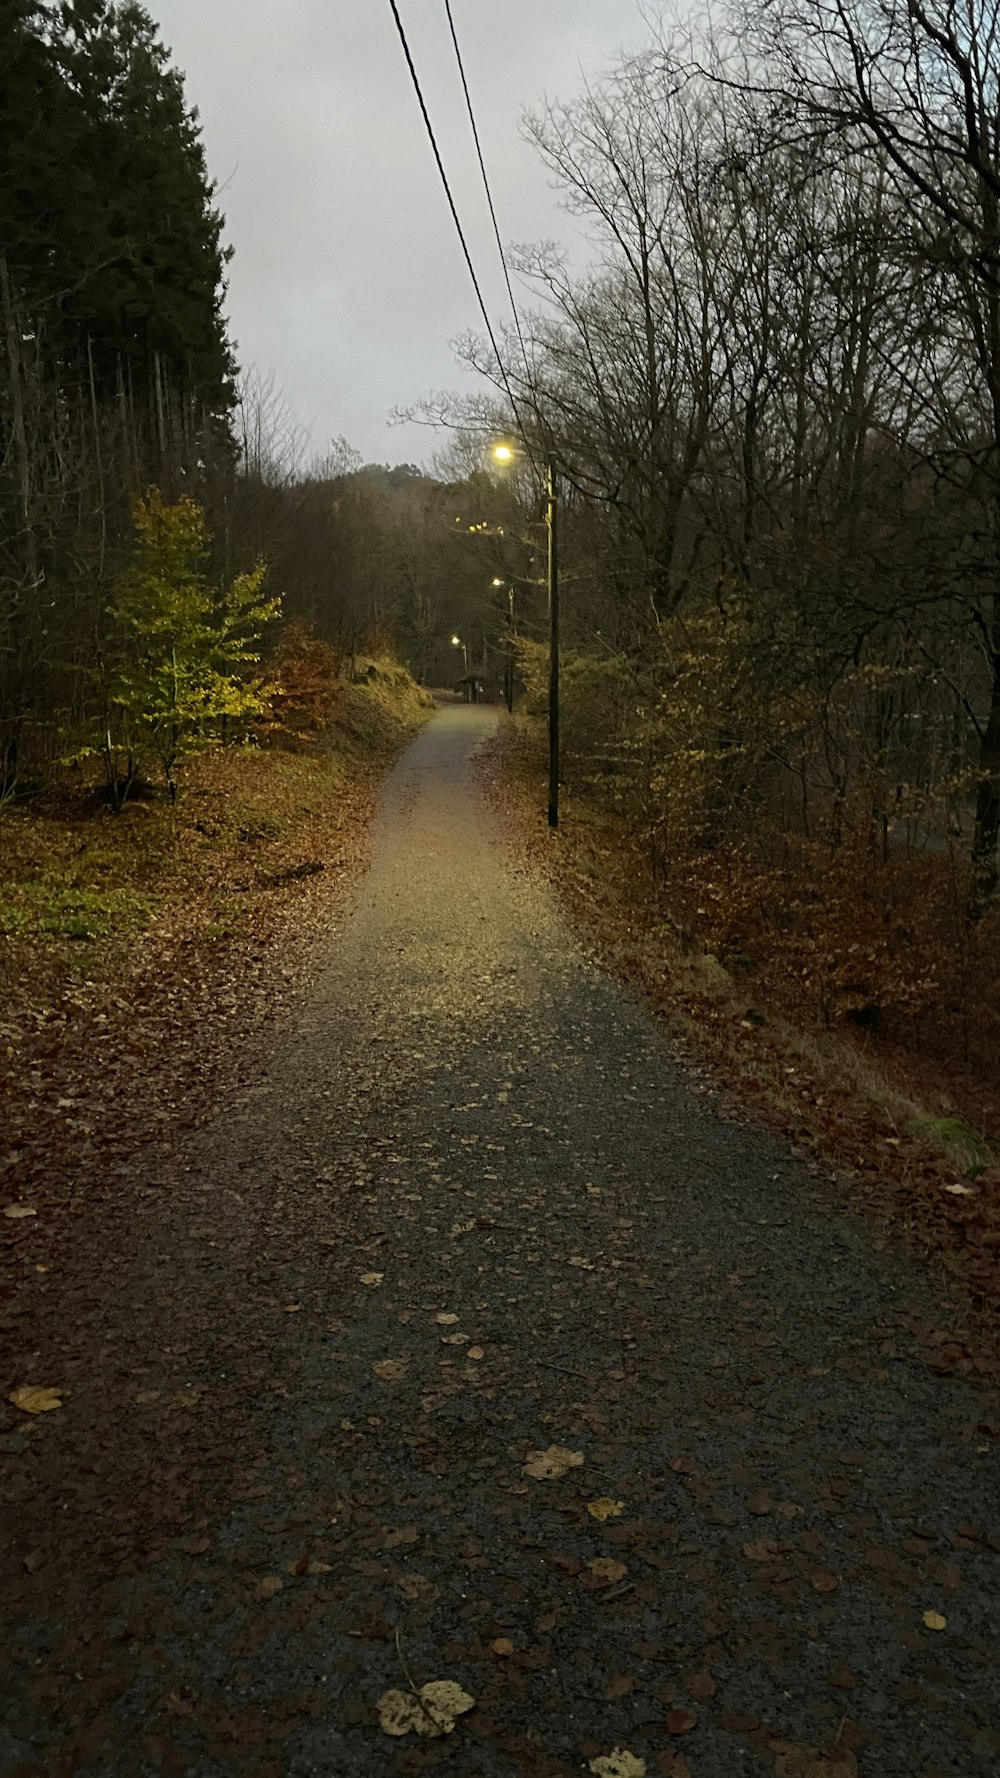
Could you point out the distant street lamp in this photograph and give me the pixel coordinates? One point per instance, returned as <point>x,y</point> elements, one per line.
<point>509,676</point>
<point>456,642</point>
<point>505,454</point>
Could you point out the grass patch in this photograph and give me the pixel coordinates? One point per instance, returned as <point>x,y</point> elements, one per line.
<point>67,910</point>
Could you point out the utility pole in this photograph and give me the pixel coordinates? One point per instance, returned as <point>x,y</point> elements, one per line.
<point>552,526</point>
<point>510,653</point>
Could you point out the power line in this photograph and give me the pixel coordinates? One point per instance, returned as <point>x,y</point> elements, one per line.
<point>486,182</point>
<point>454,210</point>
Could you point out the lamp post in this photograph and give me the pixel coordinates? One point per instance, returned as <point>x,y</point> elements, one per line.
<point>456,642</point>
<point>510,647</point>
<point>505,453</point>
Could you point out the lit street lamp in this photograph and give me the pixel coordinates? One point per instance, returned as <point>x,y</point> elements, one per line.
<point>505,454</point>
<point>456,642</point>
<point>509,676</point>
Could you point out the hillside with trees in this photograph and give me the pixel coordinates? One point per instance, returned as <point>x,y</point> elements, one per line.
<point>772,400</point>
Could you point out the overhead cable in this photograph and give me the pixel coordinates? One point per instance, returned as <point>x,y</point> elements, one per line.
<point>486,182</point>
<point>454,211</point>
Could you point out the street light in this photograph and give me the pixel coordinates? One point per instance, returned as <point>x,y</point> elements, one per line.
<point>505,454</point>
<point>456,642</point>
<point>510,648</point>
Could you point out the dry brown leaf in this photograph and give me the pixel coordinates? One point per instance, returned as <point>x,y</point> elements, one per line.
<point>447,1320</point>
<point>476,1352</point>
<point>417,1587</point>
<point>17,1212</point>
<point>502,1645</point>
<point>33,1400</point>
<point>700,1686</point>
<point>934,1620</point>
<point>795,1759</point>
<point>824,1583</point>
<point>606,1568</point>
<point>553,1464</point>
<point>619,1764</point>
<point>266,1589</point>
<point>681,1721</point>
<point>372,1279</point>
<point>432,1711</point>
<point>761,1549</point>
<point>391,1370</point>
<point>605,1508</point>
<point>456,1339</point>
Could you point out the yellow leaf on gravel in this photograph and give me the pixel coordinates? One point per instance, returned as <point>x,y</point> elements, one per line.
<point>432,1711</point>
<point>447,1320</point>
<point>606,1568</point>
<point>502,1645</point>
<point>553,1464</point>
<point>391,1370</point>
<point>619,1764</point>
<point>934,1620</point>
<point>17,1212</point>
<point>605,1509</point>
<point>32,1400</point>
<point>475,1352</point>
<point>372,1279</point>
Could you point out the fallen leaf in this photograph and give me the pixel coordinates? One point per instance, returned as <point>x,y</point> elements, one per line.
<point>394,1540</point>
<point>391,1370</point>
<point>33,1400</point>
<point>502,1645</point>
<point>447,1320</point>
<point>700,1686</point>
<point>293,1308</point>
<point>605,1509</point>
<point>673,1765</point>
<point>761,1549</point>
<point>417,1587</point>
<point>618,1764</point>
<point>606,1568</point>
<point>17,1211</point>
<point>824,1583</point>
<point>553,1464</point>
<point>266,1589</point>
<point>795,1759</point>
<point>305,1566</point>
<point>619,1686</point>
<point>760,1504</point>
<point>682,1465</point>
<point>475,1352</point>
<point>372,1279</point>
<point>934,1620</point>
<point>456,1339</point>
<point>582,1264</point>
<point>681,1722</point>
<point>432,1711</point>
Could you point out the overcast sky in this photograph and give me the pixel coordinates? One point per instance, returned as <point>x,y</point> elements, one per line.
<point>348,283</point>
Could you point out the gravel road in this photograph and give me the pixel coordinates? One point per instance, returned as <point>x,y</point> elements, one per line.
<point>474,1209</point>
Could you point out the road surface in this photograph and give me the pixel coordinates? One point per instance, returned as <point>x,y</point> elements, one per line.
<point>471,1342</point>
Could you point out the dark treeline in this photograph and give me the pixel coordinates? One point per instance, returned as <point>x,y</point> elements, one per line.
<point>774,399</point>
<point>145,485</point>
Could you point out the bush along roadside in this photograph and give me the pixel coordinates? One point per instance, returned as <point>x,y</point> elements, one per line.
<point>146,952</point>
<point>904,1137</point>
